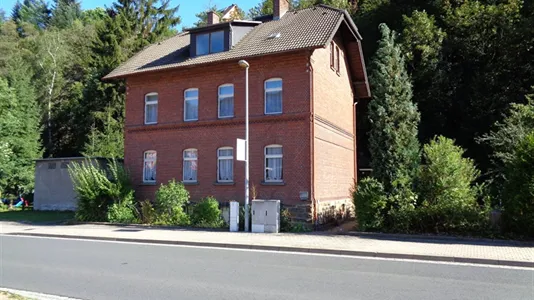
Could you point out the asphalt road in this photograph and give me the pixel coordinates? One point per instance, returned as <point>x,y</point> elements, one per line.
<point>105,270</point>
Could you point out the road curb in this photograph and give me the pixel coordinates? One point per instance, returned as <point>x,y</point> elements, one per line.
<point>431,238</point>
<point>433,258</point>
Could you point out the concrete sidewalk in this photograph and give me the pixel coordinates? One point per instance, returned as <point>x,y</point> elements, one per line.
<point>389,246</point>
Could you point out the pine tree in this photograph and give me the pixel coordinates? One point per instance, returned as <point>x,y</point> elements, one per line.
<point>65,12</point>
<point>7,129</point>
<point>33,12</point>
<point>26,145</point>
<point>393,116</point>
<point>19,129</point>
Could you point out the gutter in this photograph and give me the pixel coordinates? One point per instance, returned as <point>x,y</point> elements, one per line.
<point>312,143</point>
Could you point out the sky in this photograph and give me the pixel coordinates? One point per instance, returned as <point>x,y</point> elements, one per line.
<point>187,11</point>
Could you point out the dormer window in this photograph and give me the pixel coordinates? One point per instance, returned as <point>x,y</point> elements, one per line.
<point>212,42</point>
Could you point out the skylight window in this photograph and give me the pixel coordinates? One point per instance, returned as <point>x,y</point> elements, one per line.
<point>274,35</point>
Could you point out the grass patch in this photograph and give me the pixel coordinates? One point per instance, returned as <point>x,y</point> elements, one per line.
<point>35,216</point>
<point>10,296</point>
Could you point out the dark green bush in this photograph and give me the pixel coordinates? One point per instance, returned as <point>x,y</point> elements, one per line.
<point>370,202</point>
<point>207,214</point>
<point>171,199</point>
<point>518,200</point>
<point>97,188</point>
<point>285,220</point>
<point>447,191</point>
<point>123,211</point>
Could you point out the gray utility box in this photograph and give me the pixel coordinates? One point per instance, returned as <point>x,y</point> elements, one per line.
<point>266,216</point>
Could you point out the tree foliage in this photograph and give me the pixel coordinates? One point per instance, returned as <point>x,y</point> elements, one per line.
<point>447,178</point>
<point>518,200</point>
<point>393,116</point>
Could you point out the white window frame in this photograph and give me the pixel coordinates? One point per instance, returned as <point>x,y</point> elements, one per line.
<point>189,99</point>
<point>144,165</point>
<point>219,100</point>
<point>219,158</point>
<point>183,165</point>
<point>266,156</point>
<point>281,89</point>
<point>151,102</point>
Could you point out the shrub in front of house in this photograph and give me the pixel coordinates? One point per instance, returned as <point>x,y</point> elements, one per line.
<point>171,199</point>
<point>370,201</point>
<point>518,200</point>
<point>448,192</point>
<point>123,211</point>
<point>97,188</point>
<point>147,213</point>
<point>207,214</point>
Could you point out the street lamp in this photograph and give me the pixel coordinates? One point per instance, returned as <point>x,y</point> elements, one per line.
<point>244,64</point>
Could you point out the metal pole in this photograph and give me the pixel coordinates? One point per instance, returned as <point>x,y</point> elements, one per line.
<point>247,158</point>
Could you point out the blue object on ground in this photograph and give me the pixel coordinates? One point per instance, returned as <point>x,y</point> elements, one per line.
<point>19,204</point>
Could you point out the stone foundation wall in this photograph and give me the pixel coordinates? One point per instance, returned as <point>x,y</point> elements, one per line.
<point>334,211</point>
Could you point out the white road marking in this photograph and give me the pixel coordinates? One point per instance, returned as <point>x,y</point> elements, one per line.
<point>92,239</point>
<point>36,296</point>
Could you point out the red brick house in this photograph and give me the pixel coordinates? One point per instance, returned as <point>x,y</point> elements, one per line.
<point>185,108</point>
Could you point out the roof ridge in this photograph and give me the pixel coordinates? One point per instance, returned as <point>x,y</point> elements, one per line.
<point>331,7</point>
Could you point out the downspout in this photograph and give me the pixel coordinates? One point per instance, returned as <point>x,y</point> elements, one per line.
<point>312,143</point>
<point>355,141</point>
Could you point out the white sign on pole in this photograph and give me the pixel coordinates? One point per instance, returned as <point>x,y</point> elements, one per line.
<point>241,150</point>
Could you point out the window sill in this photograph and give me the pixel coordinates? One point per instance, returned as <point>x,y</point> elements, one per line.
<point>225,118</point>
<point>273,183</point>
<point>224,183</point>
<point>153,123</point>
<point>191,120</point>
<point>190,183</point>
<point>148,183</point>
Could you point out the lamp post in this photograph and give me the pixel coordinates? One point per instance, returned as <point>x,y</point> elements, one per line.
<point>244,64</point>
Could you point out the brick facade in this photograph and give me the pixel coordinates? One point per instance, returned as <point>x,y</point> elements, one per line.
<point>333,132</point>
<point>316,129</point>
<point>172,135</point>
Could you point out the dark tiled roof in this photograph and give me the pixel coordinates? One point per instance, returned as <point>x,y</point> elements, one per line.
<point>301,29</point>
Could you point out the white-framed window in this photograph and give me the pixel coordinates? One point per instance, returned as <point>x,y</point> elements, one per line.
<point>190,165</point>
<point>149,166</point>
<point>226,100</point>
<point>273,96</point>
<point>273,163</point>
<point>151,108</point>
<point>225,164</point>
<point>191,105</point>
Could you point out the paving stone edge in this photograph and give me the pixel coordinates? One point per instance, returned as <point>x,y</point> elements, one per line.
<point>482,261</point>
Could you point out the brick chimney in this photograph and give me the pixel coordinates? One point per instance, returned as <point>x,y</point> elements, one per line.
<point>213,18</point>
<point>280,7</point>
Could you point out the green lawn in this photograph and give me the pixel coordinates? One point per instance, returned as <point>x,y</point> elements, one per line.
<point>34,216</point>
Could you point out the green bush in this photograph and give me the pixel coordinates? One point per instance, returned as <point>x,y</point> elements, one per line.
<point>447,190</point>
<point>518,201</point>
<point>207,214</point>
<point>96,188</point>
<point>171,199</point>
<point>370,202</point>
<point>285,220</point>
<point>147,212</point>
<point>123,211</point>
